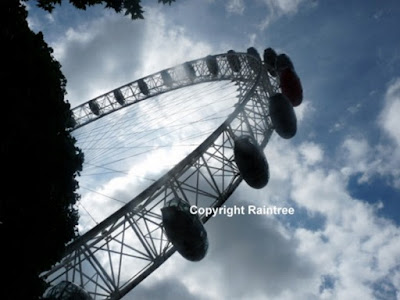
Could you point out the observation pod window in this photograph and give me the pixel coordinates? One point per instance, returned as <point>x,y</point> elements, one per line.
<point>119,97</point>
<point>247,138</point>
<point>94,107</point>
<point>189,70</point>
<point>212,65</point>
<point>233,61</point>
<point>144,89</point>
<point>66,290</point>
<point>167,79</point>
<point>179,203</point>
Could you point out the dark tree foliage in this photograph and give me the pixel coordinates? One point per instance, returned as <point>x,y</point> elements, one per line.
<point>39,158</point>
<point>132,7</point>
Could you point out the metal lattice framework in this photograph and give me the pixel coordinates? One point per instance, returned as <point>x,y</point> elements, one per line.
<point>116,255</point>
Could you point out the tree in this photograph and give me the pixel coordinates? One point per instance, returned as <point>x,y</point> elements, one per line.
<point>40,161</point>
<point>39,158</point>
<point>132,7</point>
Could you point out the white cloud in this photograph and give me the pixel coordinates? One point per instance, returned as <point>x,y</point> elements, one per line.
<point>35,22</point>
<point>165,45</point>
<point>359,158</point>
<point>354,248</point>
<point>235,7</point>
<point>312,153</point>
<point>108,52</point>
<point>382,159</point>
<point>254,257</point>
<point>279,8</point>
<point>305,110</point>
<point>389,118</point>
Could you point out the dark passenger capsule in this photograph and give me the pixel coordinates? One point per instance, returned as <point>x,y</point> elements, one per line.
<point>144,89</point>
<point>251,161</point>
<point>291,86</point>
<point>270,61</point>
<point>233,61</point>
<point>189,70</point>
<point>253,64</point>
<point>167,78</point>
<point>283,116</point>
<point>185,230</point>
<point>119,97</point>
<point>212,65</point>
<point>66,290</point>
<point>94,107</point>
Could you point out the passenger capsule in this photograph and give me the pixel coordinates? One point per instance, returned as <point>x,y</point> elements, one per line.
<point>253,64</point>
<point>283,116</point>
<point>270,61</point>
<point>233,61</point>
<point>94,107</point>
<point>144,89</point>
<point>212,65</point>
<point>68,291</point>
<point>189,70</point>
<point>251,162</point>
<point>291,86</point>
<point>184,230</point>
<point>283,62</point>
<point>167,78</point>
<point>119,97</point>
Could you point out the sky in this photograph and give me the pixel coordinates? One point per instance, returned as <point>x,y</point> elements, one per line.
<point>341,172</point>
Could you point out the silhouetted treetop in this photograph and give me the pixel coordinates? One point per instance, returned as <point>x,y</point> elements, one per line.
<point>38,212</point>
<point>132,7</point>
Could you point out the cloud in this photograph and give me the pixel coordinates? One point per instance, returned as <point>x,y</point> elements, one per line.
<point>353,254</point>
<point>279,8</point>
<point>358,156</point>
<point>235,7</point>
<point>110,51</point>
<point>260,249</point>
<point>167,289</point>
<point>354,246</point>
<point>311,152</point>
<point>389,120</point>
<point>361,156</point>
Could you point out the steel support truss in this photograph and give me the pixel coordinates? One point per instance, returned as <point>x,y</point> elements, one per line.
<point>116,255</point>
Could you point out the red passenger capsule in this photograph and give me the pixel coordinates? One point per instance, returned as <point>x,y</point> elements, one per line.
<point>291,86</point>
<point>283,62</point>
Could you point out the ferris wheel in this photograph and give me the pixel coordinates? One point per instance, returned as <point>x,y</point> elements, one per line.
<point>218,113</point>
